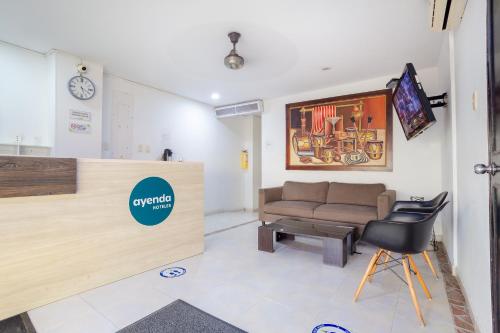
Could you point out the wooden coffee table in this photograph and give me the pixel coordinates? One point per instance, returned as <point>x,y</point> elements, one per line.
<point>337,240</point>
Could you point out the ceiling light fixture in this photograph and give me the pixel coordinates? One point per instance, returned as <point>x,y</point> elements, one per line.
<point>215,96</point>
<point>233,60</point>
<point>326,68</point>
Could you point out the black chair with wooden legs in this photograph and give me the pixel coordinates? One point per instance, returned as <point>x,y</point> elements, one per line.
<point>406,234</point>
<point>423,207</point>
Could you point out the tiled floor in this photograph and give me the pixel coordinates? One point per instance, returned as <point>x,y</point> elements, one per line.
<point>218,222</point>
<point>290,290</point>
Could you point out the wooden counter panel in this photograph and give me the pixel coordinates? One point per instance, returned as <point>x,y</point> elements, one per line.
<point>29,176</point>
<point>52,247</point>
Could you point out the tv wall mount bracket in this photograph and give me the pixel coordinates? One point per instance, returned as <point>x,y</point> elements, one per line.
<point>437,101</point>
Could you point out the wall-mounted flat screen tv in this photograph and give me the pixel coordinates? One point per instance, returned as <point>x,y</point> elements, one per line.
<point>412,105</point>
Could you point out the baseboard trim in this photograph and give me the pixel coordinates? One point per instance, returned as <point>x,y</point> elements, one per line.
<point>230,228</point>
<point>221,211</point>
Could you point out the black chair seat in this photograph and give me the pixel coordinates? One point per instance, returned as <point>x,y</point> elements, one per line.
<point>407,233</point>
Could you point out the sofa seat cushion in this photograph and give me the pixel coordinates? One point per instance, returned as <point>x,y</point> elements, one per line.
<point>346,213</point>
<point>291,208</point>
<point>354,194</point>
<point>314,192</point>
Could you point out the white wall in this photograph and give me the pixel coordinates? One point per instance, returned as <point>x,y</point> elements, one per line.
<point>252,176</point>
<point>246,132</point>
<point>35,102</point>
<point>416,163</point>
<point>448,177</point>
<point>240,129</point>
<point>24,99</point>
<point>163,120</point>
<point>256,160</point>
<point>62,67</point>
<point>473,248</point>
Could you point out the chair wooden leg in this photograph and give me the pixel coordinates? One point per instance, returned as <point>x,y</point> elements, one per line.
<point>419,277</point>
<point>369,269</point>
<point>387,257</point>
<point>429,262</point>
<point>374,268</point>
<point>412,290</point>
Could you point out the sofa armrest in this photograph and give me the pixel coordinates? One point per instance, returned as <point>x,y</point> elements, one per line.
<point>385,200</point>
<point>268,195</point>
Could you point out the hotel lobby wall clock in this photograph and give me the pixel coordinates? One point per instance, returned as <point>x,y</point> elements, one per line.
<point>81,87</point>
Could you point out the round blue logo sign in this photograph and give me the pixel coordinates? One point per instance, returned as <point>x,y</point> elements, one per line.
<point>329,328</point>
<point>151,201</point>
<point>173,272</point>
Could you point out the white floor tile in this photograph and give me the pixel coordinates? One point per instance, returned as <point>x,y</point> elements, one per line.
<point>126,301</point>
<point>270,316</point>
<point>72,314</point>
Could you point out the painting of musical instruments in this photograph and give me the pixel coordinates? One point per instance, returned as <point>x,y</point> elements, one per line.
<point>352,132</point>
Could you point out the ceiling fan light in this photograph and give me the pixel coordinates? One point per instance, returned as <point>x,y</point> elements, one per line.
<point>233,60</point>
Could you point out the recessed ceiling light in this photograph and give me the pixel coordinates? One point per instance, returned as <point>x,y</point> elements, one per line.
<point>215,96</point>
<point>326,68</point>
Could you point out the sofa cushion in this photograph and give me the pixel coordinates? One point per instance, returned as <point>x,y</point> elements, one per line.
<point>354,194</point>
<point>346,213</point>
<point>291,208</point>
<point>314,192</point>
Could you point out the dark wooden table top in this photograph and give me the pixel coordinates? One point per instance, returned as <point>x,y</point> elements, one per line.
<point>296,227</point>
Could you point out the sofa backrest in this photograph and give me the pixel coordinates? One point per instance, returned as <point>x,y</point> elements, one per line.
<point>296,191</point>
<point>354,194</point>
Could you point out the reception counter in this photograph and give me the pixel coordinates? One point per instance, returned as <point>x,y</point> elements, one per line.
<point>55,246</point>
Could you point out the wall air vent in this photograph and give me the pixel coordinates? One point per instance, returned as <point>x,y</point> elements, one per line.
<point>240,109</point>
<point>446,14</point>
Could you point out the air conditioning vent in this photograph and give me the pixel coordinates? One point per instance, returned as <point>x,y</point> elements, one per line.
<point>446,14</point>
<point>240,109</point>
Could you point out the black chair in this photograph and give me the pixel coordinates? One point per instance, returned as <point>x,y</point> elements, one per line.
<point>404,233</point>
<point>423,207</point>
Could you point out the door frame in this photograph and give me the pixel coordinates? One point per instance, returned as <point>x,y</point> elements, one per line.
<point>492,108</point>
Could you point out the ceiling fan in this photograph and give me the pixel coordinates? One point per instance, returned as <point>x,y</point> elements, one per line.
<point>233,60</point>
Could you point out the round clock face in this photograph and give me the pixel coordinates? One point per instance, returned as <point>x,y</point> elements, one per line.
<point>81,87</point>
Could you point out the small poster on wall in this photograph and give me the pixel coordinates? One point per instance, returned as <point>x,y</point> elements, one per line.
<point>79,127</point>
<point>80,115</point>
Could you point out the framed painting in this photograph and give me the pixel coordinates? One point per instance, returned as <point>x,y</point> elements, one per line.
<point>352,132</point>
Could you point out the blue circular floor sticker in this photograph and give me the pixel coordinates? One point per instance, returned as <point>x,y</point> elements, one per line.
<point>329,328</point>
<point>173,272</point>
<point>151,201</point>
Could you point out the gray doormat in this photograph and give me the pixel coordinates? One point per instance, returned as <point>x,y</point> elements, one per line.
<point>180,317</point>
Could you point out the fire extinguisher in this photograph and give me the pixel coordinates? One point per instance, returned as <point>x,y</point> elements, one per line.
<point>244,159</point>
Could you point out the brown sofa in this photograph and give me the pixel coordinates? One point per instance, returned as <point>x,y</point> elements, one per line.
<point>330,203</point>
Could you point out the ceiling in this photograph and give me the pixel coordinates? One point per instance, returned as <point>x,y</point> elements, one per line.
<point>179,45</point>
